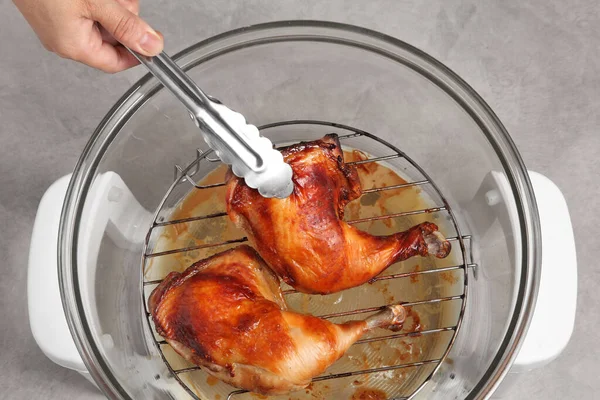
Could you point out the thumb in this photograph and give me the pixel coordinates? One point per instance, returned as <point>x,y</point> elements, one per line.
<point>129,29</point>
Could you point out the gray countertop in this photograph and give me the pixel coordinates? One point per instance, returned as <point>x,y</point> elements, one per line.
<point>537,63</point>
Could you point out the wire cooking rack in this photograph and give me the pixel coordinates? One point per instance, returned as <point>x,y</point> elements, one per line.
<point>464,241</point>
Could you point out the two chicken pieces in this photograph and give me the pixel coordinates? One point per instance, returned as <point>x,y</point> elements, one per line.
<point>227,313</point>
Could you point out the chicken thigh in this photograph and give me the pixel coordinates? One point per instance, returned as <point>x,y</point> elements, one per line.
<point>304,239</point>
<point>227,314</point>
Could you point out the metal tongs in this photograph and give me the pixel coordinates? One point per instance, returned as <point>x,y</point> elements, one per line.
<point>251,156</point>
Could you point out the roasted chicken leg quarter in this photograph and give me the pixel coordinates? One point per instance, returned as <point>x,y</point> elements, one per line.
<point>227,314</point>
<point>304,239</point>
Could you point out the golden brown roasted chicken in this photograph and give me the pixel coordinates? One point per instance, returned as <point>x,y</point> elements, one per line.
<point>227,314</point>
<point>304,239</point>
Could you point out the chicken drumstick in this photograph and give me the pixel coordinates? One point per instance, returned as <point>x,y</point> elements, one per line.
<point>227,314</point>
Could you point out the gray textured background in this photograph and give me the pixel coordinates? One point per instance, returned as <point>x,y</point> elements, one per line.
<point>537,63</point>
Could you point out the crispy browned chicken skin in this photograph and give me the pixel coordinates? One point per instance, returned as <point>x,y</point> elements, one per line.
<point>304,239</point>
<point>227,314</point>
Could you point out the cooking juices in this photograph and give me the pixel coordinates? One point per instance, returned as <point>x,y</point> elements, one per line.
<point>402,282</point>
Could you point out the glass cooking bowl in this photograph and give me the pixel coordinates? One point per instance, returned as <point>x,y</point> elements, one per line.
<point>311,71</point>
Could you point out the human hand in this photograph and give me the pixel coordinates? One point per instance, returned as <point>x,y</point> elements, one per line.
<point>90,31</point>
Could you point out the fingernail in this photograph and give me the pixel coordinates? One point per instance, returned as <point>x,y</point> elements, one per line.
<point>151,43</point>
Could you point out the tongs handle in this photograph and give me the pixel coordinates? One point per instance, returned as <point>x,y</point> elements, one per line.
<point>201,108</point>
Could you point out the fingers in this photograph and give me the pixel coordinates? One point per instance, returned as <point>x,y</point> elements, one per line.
<point>126,27</point>
<point>104,55</point>
<point>107,37</point>
<point>85,31</point>
<point>112,59</point>
<point>132,5</point>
